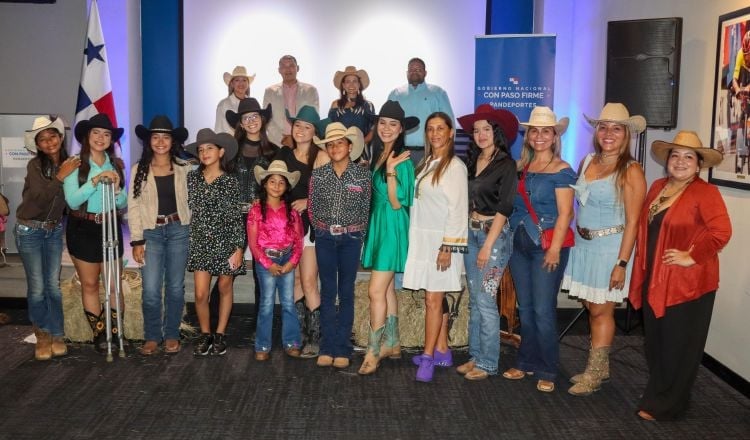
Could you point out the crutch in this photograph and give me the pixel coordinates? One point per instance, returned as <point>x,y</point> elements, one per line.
<point>111,261</point>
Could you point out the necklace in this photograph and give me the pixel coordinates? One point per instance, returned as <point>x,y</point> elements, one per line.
<point>662,199</point>
<point>545,167</point>
<point>602,159</point>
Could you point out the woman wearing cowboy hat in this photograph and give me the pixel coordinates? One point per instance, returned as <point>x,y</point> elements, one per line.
<point>238,88</point>
<point>304,156</point>
<point>39,231</point>
<point>159,219</point>
<point>492,187</point>
<point>84,232</point>
<point>339,209</point>
<point>683,225</point>
<point>217,233</point>
<point>610,191</point>
<point>352,109</point>
<point>387,239</point>
<point>537,272</point>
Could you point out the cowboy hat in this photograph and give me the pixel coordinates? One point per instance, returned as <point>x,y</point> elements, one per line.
<point>393,110</point>
<point>99,120</point>
<point>221,140</point>
<point>277,167</point>
<point>40,124</point>
<point>161,124</point>
<point>364,79</point>
<point>544,117</point>
<point>337,130</point>
<point>307,114</point>
<point>247,105</point>
<point>506,120</point>
<point>618,113</point>
<point>689,140</point>
<point>238,71</point>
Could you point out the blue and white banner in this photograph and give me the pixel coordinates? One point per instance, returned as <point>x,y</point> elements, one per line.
<point>515,73</point>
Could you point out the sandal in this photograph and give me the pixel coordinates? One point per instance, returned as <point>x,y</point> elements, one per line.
<point>545,386</point>
<point>514,374</point>
<point>172,346</point>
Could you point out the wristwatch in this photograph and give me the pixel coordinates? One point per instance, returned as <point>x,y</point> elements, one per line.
<point>622,263</point>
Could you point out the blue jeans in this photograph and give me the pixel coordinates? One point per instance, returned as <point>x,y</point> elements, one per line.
<point>484,318</point>
<point>290,325</point>
<point>166,257</point>
<point>41,254</point>
<point>537,290</point>
<point>338,261</point>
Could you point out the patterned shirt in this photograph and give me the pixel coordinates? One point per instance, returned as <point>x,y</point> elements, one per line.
<point>344,200</point>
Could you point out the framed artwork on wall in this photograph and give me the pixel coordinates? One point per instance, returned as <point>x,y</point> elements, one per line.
<point>730,132</point>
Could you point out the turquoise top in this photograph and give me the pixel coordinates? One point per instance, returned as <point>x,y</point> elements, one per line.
<point>77,195</point>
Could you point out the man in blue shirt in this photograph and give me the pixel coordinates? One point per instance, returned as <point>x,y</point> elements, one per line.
<point>419,99</point>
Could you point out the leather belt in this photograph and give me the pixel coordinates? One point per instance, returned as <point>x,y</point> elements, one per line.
<point>36,224</point>
<point>339,229</point>
<point>96,218</point>
<point>590,234</point>
<point>275,253</point>
<point>162,220</point>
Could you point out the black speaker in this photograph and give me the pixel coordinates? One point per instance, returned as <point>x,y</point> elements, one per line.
<point>643,68</point>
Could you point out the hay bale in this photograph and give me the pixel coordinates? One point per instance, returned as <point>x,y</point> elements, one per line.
<point>411,317</point>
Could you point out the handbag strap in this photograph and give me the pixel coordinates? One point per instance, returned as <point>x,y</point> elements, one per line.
<point>525,197</point>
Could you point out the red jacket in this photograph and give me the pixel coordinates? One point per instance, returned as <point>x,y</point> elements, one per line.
<point>699,219</point>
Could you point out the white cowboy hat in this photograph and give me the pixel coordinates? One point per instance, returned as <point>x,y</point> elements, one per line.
<point>618,113</point>
<point>364,78</point>
<point>238,71</point>
<point>544,117</point>
<point>337,130</point>
<point>42,123</point>
<point>277,167</point>
<point>690,140</point>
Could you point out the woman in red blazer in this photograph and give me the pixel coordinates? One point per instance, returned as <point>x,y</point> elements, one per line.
<point>683,225</point>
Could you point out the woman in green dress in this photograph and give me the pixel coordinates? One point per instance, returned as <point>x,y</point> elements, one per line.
<point>386,241</point>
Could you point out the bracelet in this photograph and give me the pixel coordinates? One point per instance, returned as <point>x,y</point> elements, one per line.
<point>622,263</point>
<point>92,181</point>
<point>393,174</point>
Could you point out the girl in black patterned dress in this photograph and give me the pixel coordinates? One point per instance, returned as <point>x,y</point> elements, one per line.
<point>217,236</point>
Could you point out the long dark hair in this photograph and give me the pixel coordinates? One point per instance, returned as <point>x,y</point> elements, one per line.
<point>267,149</point>
<point>263,196</point>
<point>359,100</point>
<point>144,164</point>
<point>443,164</point>
<point>85,155</point>
<point>46,163</point>
<point>226,165</point>
<point>377,164</point>
<point>501,146</point>
<point>312,151</point>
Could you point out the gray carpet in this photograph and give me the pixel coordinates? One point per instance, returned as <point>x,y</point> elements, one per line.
<point>81,396</point>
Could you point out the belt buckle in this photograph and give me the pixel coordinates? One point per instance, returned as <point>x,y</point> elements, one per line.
<point>336,229</point>
<point>98,218</point>
<point>272,253</point>
<point>475,224</point>
<point>585,233</point>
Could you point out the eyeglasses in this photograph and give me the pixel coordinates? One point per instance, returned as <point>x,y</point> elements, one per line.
<point>250,118</point>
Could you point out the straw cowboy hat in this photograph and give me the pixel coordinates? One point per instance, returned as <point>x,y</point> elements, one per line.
<point>544,117</point>
<point>221,140</point>
<point>364,78</point>
<point>337,130</point>
<point>690,140</point>
<point>277,167</point>
<point>393,110</point>
<point>307,114</point>
<point>100,120</point>
<point>161,124</point>
<point>618,113</point>
<point>40,124</point>
<point>506,120</point>
<point>247,105</point>
<point>238,71</point>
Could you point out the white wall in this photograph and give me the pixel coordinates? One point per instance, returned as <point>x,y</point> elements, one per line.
<point>581,28</point>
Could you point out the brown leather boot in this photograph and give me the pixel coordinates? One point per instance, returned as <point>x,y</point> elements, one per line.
<point>43,348</point>
<point>58,346</point>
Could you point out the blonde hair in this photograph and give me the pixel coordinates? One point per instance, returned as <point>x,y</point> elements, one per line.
<point>527,153</point>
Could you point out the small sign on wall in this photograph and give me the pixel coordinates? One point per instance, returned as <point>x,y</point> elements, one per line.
<point>15,155</point>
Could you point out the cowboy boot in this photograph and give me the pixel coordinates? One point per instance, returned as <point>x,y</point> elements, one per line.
<point>372,357</point>
<point>591,379</point>
<point>313,335</point>
<point>96,322</point>
<point>116,334</point>
<point>58,346</point>
<point>391,347</point>
<point>43,348</point>
<point>605,371</point>
<point>302,314</point>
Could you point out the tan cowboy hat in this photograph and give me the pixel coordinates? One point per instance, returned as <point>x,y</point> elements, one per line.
<point>276,167</point>
<point>42,123</point>
<point>544,117</point>
<point>337,130</point>
<point>364,79</point>
<point>238,71</point>
<point>686,139</point>
<point>618,113</point>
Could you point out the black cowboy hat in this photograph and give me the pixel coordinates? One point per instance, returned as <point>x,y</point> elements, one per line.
<point>100,120</point>
<point>247,105</point>
<point>161,124</point>
<point>393,110</point>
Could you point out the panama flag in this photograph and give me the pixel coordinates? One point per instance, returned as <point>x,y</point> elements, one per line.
<point>95,90</point>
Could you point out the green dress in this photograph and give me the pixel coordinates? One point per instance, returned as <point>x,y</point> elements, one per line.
<point>387,239</point>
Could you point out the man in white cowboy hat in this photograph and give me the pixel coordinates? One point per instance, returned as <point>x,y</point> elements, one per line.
<point>238,88</point>
<point>288,95</point>
<point>419,99</point>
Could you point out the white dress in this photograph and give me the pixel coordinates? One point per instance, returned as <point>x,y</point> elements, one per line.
<point>438,217</point>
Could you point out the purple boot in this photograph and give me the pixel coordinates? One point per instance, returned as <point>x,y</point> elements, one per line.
<point>440,359</point>
<point>426,369</point>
